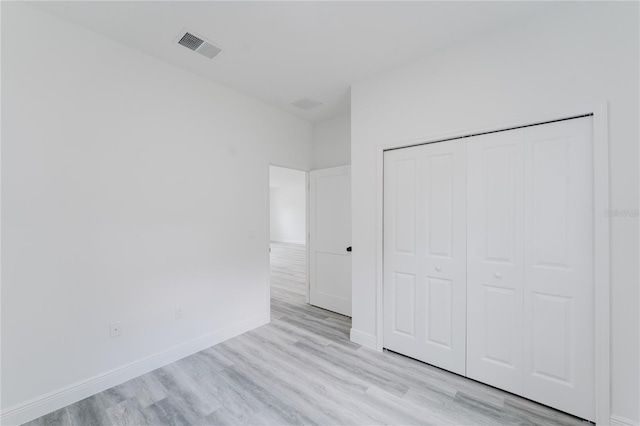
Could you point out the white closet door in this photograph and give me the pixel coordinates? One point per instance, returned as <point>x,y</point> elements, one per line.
<point>530,256</point>
<point>425,253</point>
<point>495,259</point>
<point>558,266</point>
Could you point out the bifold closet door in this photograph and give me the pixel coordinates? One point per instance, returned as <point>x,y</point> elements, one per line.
<point>425,253</point>
<point>530,263</point>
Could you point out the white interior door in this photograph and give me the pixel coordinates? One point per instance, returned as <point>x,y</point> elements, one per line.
<point>330,239</point>
<point>425,253</point>
<point>530,264</point>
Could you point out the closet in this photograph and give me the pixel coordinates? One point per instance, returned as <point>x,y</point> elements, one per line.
<point>488,260</point>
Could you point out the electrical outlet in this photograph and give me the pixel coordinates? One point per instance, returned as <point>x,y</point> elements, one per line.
<point>116,329</point>
<point>179,313</point>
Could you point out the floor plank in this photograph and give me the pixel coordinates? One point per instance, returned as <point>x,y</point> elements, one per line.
<point>301,369</point>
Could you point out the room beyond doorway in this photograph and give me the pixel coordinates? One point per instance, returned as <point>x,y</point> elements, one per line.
<point>288,236</point>
<point>288,205</point>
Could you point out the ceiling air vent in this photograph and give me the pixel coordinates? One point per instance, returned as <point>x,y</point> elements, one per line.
<point>198,44</point>
<point>306,103</point>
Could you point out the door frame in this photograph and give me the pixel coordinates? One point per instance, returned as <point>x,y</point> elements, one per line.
<point>599,112</point>
<point>268,239</point>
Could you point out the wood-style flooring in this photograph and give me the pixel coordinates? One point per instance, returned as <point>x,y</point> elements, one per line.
<point>301,369</point>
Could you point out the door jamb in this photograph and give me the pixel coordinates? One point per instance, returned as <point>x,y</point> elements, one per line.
<point>599,112</point>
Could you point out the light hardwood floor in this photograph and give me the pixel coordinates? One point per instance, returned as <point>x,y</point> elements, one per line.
<point>301,369</point>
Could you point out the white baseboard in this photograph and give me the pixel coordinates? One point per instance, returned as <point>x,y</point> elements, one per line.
<point>364,339</point>
<point>44,404</point>
<point>621,421</point>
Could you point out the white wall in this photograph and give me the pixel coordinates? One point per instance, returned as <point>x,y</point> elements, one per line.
<point>288,214</point>
<point>332,143</point>
<point>129,187</point>
<point>585,52</point>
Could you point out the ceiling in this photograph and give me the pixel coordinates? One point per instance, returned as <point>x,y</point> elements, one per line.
<point>280,52</point>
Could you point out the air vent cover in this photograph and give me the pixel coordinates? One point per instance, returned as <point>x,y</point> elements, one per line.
<point>190,41</point>
<point>306,103</point>
<point>198,44</point>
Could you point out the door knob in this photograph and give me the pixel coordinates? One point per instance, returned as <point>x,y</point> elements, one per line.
<point>438,268</point>
<point>498,275</point>
<point>349,248</point>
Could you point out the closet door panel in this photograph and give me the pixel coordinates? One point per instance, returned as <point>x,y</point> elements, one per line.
<point>443,261</point>
<point>495,260</point>
<point>402,326</point>
<point>558,274</point>
<point>425,192</point>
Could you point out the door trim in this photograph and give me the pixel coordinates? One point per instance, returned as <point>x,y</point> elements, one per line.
<point>599,112</point>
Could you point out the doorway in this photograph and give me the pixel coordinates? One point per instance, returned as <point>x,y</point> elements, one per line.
<point>288,239</point>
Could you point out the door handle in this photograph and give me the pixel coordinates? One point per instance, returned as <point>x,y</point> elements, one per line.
<point>349,248</point>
